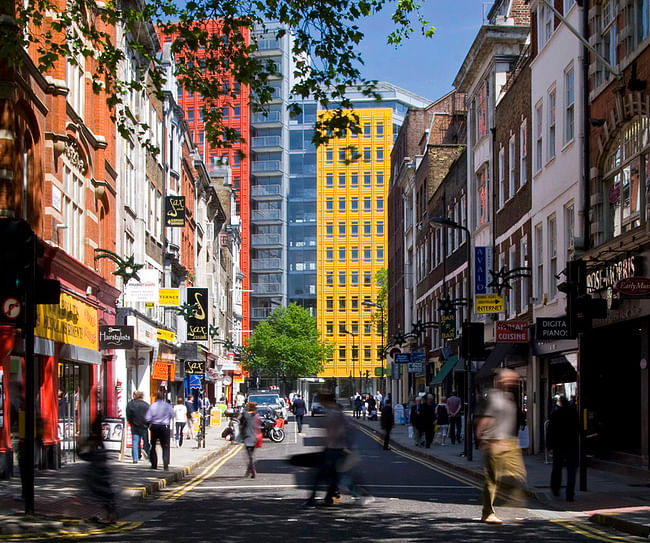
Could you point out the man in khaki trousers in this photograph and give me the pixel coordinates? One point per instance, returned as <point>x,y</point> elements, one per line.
<point>496,434</point>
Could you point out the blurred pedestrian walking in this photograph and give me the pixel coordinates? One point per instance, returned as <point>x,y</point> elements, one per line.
<point>442,420</point>
<point>250,435</point>
<point>454,406</point>
<point>299,409</point>
<point>180,419</point>
<point>563,439</point>
<point>160,415</point>
<point>427,419</point>
<point>387,421</point>
<point>496,435</point>
<point>356,404</point>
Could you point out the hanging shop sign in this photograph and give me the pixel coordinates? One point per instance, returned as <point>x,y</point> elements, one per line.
<point>175,211</point>
<point>168,297</point>
<point>489,303</point>
<point>161,370</point>
<point>633,286</point>
<point>512,332</point>
<point>482,263</point>
<point>72,321</point>
<point>145,290</point>
<point>194,367</point>
<point>166,335</point>
<point>448,326</point>
<point>607,276</point>
<point>197,323</point>
<point>116,337</point>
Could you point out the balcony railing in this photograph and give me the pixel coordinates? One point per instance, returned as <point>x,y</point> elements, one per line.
<point>265,239</point>
<point>264,142</point>
<point>269,117</point>
<point>266,44</point>
<point>265,190</point>
<point>258,264</point>
<point>266,215</point>
<point>266,166</point>
<point>260,313</point>
<point>266,288</point>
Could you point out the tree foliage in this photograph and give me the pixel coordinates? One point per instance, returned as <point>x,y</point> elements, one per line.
<point>325,34</point>
<point>287,345</point>
<point>381,278</point>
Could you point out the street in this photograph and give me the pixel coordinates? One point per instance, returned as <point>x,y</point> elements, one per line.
<point>413,502</point>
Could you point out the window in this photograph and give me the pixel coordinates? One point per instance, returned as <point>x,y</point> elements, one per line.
<point>379,129</point>
<point>329,328</point>
<point>380,154</point>
<point>329,181</point>
<point>225,111</point>
<point>341,279</point>
<point>512,264</point>
<point>380,254</point>
<point>329,205</point>
<point>354,204</point>
<point>367,352</point>
<point>569,221</point>
<point>366,154</point>
<point>639,21</point>
<point>367,229</point>
<point>237,112</point>
<point>367,254</point>
<point>329,156</point>
<point>354,254</point>
<point>380,179</point>
<point>342,156</point>
<point>367,205</point>
<point>341,303</point>
<point>569,105</point>
<point>551,124</point>
<point>329,303</point>
<point>380,228</point>
<point>342,356</point>
<point>544,25</point>
<point>190,114</point>
<point>501,188</point>
<point>354,278</point>
<point>354,229</point>
<point>380,204</point>
<point>73,205</point>
<point>342,229</point>
<point>329,254</point>
<point>366,180</point>
<point>482,208</point>
<point>538,137</point>
<point>523,154</point>
<point>342,204</point>
<point>342,180</point>
<point>568,4</point>
<point>367,278</point>
<point>523,281</point>
<point>354,304</point>
<point>75,80</point>
<point>342,330</point>
<point>511,167</point>
<point>608,33</point>
<point>329,278</point>
<point>366,130</point>
<point>354,180</point>
<point>367,328</point>
<point>481,111</point>
<point>341,254</point>
<point>552,256</point>
<point>539,275</point>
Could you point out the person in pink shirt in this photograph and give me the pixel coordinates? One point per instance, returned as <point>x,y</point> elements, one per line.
<point>454,406</point>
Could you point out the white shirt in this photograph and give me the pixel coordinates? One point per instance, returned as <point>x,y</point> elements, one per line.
<point>180,413</point>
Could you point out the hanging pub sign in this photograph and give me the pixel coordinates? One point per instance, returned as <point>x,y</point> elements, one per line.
<point>116,337</point>
<point>175,211</point>
<point>448,326</point>
<point>194,367</point>
<point>197,323</point>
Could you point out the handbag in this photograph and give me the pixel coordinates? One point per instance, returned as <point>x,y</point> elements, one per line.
<point>228,431</point>
<point>258,442</point>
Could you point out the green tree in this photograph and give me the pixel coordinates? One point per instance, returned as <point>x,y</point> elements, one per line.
<point>287,345</point>
<point>381,278</point>
<point>325,36</point>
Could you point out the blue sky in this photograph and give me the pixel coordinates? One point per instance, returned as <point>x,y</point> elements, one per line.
<point>425,66</point>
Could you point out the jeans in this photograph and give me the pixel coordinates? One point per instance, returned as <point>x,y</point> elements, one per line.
<point>179,433</point>
<point>137,437</point>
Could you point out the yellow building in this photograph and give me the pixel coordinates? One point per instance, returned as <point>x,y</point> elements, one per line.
<point>352,181</point>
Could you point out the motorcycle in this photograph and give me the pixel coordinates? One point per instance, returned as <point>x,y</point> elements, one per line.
<point>272,427</point>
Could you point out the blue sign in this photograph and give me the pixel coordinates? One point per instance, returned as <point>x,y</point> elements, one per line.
<point>402,358</point>
<point>195,381</point>
<point>417,356</point>
<point>482,266</point>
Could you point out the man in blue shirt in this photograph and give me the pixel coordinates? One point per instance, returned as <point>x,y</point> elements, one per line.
<point>159,416</point>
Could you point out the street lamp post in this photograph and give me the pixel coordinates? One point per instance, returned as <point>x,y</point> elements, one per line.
<point>354,336</point>
<point>369,303</point>
<point>448,223</point>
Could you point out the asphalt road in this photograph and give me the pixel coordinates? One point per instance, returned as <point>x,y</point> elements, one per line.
<point>414,501</point>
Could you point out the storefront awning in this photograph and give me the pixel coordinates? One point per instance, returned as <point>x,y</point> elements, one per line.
<point>444,371</point>
<point>501,351</point>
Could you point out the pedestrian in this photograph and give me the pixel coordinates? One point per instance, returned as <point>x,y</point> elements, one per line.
<point>207,405</point>
<point>136,411</point>
<point>372,408</point>
<point>97,474</point>
<point>442,420</point>
<point>336,441</point>
<point>189,405</point>
<point>357,406</point>
<point>414,417</point>
<point>240,400</point>
<point>159,415</point>
<point>364,406</point>
<point>454,405</point>
<point>378,399</point>
<point>299,409</point>
<point>496,435</point>
<point>387,421</point>
<point>563,439</point>
<point>250,435</point>
<point>427,419</point>
<point>180,419</point>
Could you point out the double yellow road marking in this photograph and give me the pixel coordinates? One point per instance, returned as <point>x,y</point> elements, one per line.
<point>208,472</point>
<point>591,531</point>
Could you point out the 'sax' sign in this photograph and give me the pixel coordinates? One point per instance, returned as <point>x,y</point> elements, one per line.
<point>175,211</point>
<point>194,367</point>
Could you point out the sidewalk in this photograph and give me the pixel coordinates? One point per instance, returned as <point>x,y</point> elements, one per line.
<point>611,499</point>
<point>62,502</point>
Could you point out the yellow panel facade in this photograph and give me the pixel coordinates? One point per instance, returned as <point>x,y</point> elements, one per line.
<point>352,240</point>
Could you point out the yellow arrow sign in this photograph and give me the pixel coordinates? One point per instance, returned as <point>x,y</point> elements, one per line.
<point>489,303</point>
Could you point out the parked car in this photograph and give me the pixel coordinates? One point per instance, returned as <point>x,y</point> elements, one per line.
<point>270,399</point>
<point>316,407</point>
